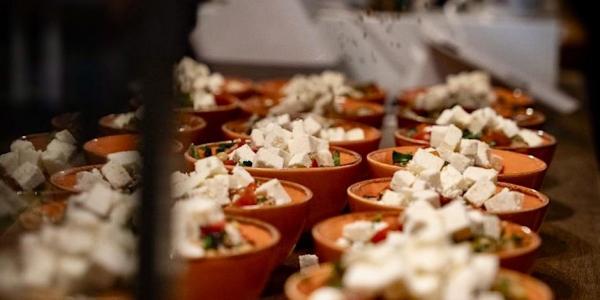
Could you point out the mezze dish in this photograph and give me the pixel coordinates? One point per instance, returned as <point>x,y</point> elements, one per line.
<point>98,149</point>
<point>472,90</point>
<point>208,242</point>
<point>282,204</point>
<point>353,136</point>
<point>294,156</point>
<point>515,245</point>
<point>485,125</point>
<point>420,262</point>
<point>449,147</point>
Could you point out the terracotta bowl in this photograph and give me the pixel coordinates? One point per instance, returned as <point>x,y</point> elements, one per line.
<point>326,233</point>
<point>510,104</point>
<point>237,130</point>
<point>272,88</point>
<point>227,109</point>
<point>328,195</point>
<point>189,130</point>
<point>532,215</point>
<point>300,286</point>
<point>544,152</point>
<point>39,140</point>
<point>520,169</point>
<point>289,219</point>
<point>98,149</point>
<point>67,179</point>
<point>237,276</point>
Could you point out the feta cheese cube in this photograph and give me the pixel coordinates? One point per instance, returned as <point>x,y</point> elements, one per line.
<point>283,120</point>
<point>424,286</point>
<point>116,174</point>
<point>355,134</point>
<point>66,149</point>
<point>460,117</point>
<point>402,178</point>
<point>28,176</point>
<point>450,178</point>
<point>455,217</point>
<point>299,143</point>
<point>258,137</point>
<point>491,226</point>
<point>267,159</point>
<point>307,261</point>
<point>486,268</point>
<point>479,192</point>
<point>335,134</point>
<point>275,190</point>
<point>468,147</point>
<point>202,100</point>
<point>39,267</point>
<point>506,200</point>
<point>508,127</point>
<point>423,224</point>
<point>437,135</point>
<point>243,154</point>
<point>86,180</point>
<point>301,160</point>
<point>54,161</point>
<point>459,161</point>
<point>530,137</point>
<point>328,293</point>
<point>317,144</point>
<point>359,231</point>
<point>427,195</point>
<point>9,162</point>
<point>215,189</point>
<point>324,158</point>
<point>210,166</point>
<point>240,178</point>
<point>130,160</point>
<point>445,117</point>
<point>474,174</point>
<point>424,160</point>
<point>21,145</point>
<point>30,156</point>
<point>451,139</point>
<point>432,177</point>
<point>482,158</point>
<point>121,120</point>
<point>394,198</point>
<point>65,136</point>
<point>478,122</point>
<point>277,137</point>
<point>311,126</point>
<point>497,162</point>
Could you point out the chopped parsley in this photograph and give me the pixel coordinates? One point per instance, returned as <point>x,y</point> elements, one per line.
<point>336,158</point>
<point>401,159</point>
<point>213,240</point>
<point>193,152</point>
<point>261,199</point>
<point>469,135</point>
<point>207,151</point>
<point>224,146</point>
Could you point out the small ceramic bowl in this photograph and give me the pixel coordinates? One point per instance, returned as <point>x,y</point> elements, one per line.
<point>328,184</point>
<point>520,169</point>
<point>362,197</point>
<point>227,109</point>
<point>67,179</point>
<point>544,152</point>
<point>238,130</point>
<point>39,140</point>
<point>300,286</point>
<point>189,129</point>
<point>289,218</point>
<point>97,150</point>
<point>510,104</point>
<point>326,233</point>
<point>236,276</point>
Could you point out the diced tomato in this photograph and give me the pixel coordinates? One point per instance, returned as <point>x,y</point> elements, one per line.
<point>229,162</point>
<point>213,228</point>
<point>247,196</point>
<point>381,235</point>
<point>496,137</point>
<point>315,164</point>
<point>423,132</point>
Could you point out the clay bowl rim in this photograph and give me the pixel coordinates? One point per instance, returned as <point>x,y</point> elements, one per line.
<point>358,160</point>
<point>70,171</point>
<point>292,283</point>
<point>308,196</point>
<point>177,146</point>
<point>232,105</point>
<point>380,164</point>
<point>541,133</point>
<point>534,244</point>
<point>226,128</point>
<point>401,96</point>
<point>545,201</point>
<point>104,122</point>
<point>274,233</point>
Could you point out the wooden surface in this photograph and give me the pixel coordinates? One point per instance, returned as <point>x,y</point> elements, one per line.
<point>569,260</point>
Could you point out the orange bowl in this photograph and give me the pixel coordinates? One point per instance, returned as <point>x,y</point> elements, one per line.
<point>544,152</point>
<point>272,88</point>
<point>237,130</point>
<point>227,109</point>
<point>289,218</point>
<point>300,286</point>
<point>326,233</point>
<point>97,150</point>
<point>328,199</point>
<point>39,140</point>
<point>535,204</point>
<point>518,168</point>
<point>189,130</point>
<point>236,276</point>
<point>67,179</point>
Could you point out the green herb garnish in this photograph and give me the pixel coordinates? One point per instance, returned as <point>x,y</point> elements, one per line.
<point>336,158</point>
<point>224,146</point>
<point>261,199</point>
<point>401,159</point>
<point>193,152</point>
<point>469,135</point>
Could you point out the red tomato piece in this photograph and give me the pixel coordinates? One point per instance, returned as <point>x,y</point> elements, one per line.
<point>213,228</point>
<point>380,236</point>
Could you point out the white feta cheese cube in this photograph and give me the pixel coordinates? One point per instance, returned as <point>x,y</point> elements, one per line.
<point>531,138</point>
<point>459,161</point>
<point>203,100</point>
<point>116,175</point>
<point>474,174</point>
<point>432,177</point>
<point>394,198</point>
<point>479,192</point>
<point>311,126</point>
<point>54,161</point>
<point>486,269</point>
<point>121,120</point>
<point>39,265</point>
<point>437,135</point>
<point>468,147</point>
<point>317,144</point>
<point>99,199</point>
<point>277,137</point>
<point>240,178</point>
<point>359,231</point>
<point>491,226</point>
<point>65,148</point>
<point>65,136</point>
<point>258,137</point>
<point>28,176</point>
<point>283,120</point>
<point>130,160</point>
<point>85,180</point>
<point>324,158</point>
<point>451,139</point>
<point>308,261</point>
<point>506,200</point>
<point>423,224</point>
<point>460,117</point>
<point>299,143</point>
<point>445,117</point>
<point>335,134</point>
<point>482,158</point>
<point>402,178</point>
<point>496,162</point>
<point>301,160</point>
<point>327,293</point>
<point>424,160</point>
<point>275,190</point>
<point>509,127</point>
<point>455,217</point>
<point>113,259</point>
<point>430,196</point>
<point>355,134</point>
<point>74,240</point>
<point>21,145</point>
<point>215,189</point>
<point>210,166</point>
<point>267,159</point>
<point>9,162</point>
<point>123,210</point>
<point>30,156</point>
<point>450,178</point>
<point>243,154</point>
